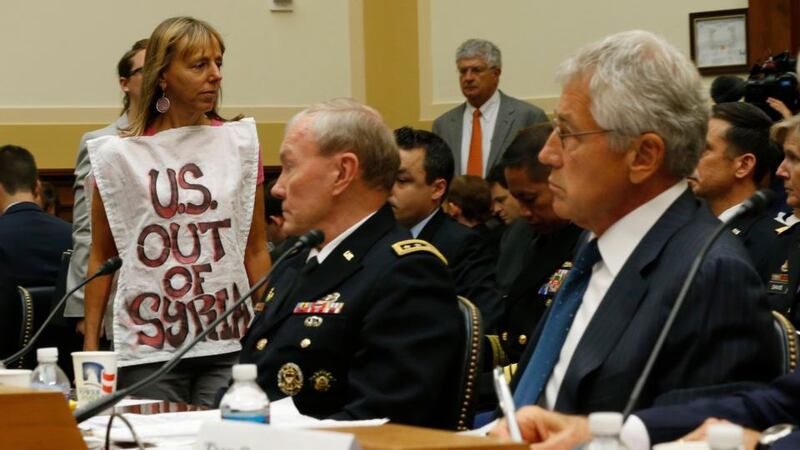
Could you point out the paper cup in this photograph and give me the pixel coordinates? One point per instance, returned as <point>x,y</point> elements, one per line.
<point>15,377</point>
<point>95,375</point>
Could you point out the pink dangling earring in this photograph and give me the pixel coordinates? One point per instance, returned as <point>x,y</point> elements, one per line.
<point>162,104</point>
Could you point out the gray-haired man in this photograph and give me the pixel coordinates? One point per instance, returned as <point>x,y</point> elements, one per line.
<point>479,131</point>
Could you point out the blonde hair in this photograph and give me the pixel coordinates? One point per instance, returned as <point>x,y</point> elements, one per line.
<point>781,131</point>
<point>172,38</point>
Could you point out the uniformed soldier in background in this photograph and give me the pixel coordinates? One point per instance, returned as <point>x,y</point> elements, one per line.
<point>548,256</point>
<point>366,325</point>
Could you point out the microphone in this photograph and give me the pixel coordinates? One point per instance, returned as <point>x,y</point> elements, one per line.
<point>310,239</point>
<point>110,266</point>
<point>757,202</point>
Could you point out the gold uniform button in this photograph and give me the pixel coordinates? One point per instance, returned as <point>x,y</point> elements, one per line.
<point>522,339</point>
<point>504,336</point>
<point>261,344</point>
<point>305,343</point>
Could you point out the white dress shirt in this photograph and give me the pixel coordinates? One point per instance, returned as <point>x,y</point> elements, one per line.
<point>331,246</point>
<point>488,119</point>
<point>615,245</point>
<point>728,213</point>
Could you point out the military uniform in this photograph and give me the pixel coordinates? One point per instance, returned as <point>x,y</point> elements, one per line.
<point>757,233</point>
<point>784,274</point>
<point>547,262</point>
<point>373,331</point>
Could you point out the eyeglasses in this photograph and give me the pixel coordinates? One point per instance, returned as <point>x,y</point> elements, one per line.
<point>561,135</point>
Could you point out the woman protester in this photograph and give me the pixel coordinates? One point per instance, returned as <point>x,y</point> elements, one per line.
<point>180,199</point>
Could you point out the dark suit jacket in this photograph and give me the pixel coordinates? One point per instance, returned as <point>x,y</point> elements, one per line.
<point>471,266</point>
<point>757,233</point>
<point>757,409</point>
<point>31,244</point>
<point>722,333</point>
<point>512,116</point>
<point>394,348</point>
<point>517,238</point>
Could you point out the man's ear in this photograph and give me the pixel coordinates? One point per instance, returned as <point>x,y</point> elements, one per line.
<point>347,167</point>
<point>646,158</point>
<point>745,165</point>
<point>37,190</point>
<point>439,188</point>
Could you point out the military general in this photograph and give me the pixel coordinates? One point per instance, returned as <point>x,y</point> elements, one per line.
<point>367,324</point>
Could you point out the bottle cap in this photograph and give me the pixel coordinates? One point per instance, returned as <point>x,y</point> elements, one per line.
<point>244,372</point>
<point>47,354</point>
<point>605,423</point>
<point>724,436</point>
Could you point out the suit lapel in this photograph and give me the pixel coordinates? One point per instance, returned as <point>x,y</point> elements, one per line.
<point>502,127</point>
<point>622,299</point>
<point>343,262</point>
<point>457,126</point>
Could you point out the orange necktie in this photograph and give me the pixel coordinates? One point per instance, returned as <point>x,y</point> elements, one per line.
<point>475,161</point>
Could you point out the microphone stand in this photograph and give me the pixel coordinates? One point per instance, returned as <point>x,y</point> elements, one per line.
<point>110,266</point>
<point>312,238</point>
<point>758,201</point>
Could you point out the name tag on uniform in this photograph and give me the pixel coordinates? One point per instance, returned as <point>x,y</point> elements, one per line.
<point>318,308</point>
<point>778,284</point>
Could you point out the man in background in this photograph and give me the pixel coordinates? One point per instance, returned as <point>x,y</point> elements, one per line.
<point>479,130</point>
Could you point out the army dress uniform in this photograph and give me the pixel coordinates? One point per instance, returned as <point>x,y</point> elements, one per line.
<point>547,261</point>
<point>373,331</point>
<point>757,233</point>
<point>784,274</point>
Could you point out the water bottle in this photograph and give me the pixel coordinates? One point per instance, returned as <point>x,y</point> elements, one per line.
<point>605,428</point>
<point>724,436</point>
<point>245,400</point>
<point>48,375</point>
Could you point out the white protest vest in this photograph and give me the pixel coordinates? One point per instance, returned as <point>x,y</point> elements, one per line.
<point>179,205</point>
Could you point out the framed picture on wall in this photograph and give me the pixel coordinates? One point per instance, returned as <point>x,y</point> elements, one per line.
<point>718,41</point>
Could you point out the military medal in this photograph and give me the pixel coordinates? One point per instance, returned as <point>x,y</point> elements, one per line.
<point>290,379</point>
<point>322,380</point>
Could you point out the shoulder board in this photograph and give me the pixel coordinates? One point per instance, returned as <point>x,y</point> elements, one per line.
<point>783,230</point>
<point>409,246</point>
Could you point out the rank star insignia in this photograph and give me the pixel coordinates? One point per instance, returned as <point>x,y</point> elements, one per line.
<point>736,231</point>
<point>348,255</point>
<point>322,380</point>
<point>270,294</point>
<point>290,379</point>
<point>785,266</point>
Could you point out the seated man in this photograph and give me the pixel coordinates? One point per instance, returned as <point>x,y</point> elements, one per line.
<point>516,235</point>
<point>426,169</point>
<point>629,127</point>
<point>734,164</point>
<point>31,241</point>
<point>367,325</point>
<point>756,410</point>
<point>547,258</point>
